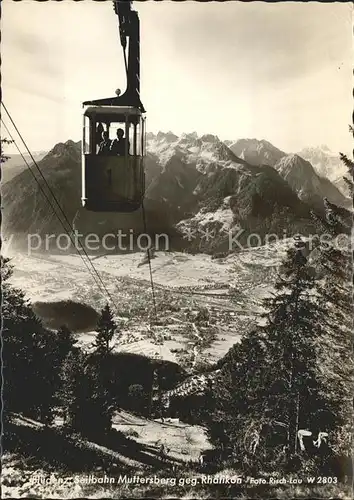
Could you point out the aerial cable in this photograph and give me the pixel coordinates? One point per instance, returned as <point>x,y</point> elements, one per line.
<point>143,208</point>
<point>149,262</point>
<point>144,219</point>
<point>51,205</point>
<point>102,286</point>
<point>47,198</point>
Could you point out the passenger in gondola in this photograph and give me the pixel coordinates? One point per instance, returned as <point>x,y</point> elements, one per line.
<point>99,131</point>
<point>118,145</point>
<point>105,145</point>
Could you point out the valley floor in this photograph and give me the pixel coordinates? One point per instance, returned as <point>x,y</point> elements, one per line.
<point>47,463</point>
<point>230,288</point>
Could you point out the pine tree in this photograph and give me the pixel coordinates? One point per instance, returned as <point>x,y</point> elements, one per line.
<point>28,354</point>
<point>87,395</point>
<point>273,375</point>
<point>334,288</point>
<point>106,327</point>
<point>88,405</point>
<point>65,342</point>
<point>4,157</point>
<point>292,337</point>
<point>237,399</point>
<point>350,166</point>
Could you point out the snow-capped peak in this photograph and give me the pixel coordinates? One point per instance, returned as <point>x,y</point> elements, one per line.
<point>167,136</point>
<point>326,162</point>
<point>210,138</point>
<point>207,148</point>
<point>256,152</point>
<point>190,135</point>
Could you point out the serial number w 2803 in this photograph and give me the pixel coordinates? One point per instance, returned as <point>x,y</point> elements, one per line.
<point>322,480</point>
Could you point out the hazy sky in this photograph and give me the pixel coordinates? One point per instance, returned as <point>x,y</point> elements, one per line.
<point>281,72</point>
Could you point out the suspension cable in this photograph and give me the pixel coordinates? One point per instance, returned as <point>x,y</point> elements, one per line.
<point>149,261</point>
<point>46,196</point>
<point>144,220</point>
<point>101,285</point>
<point>145,223</point>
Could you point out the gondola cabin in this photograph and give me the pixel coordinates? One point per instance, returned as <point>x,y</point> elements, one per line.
<point>113,178</point>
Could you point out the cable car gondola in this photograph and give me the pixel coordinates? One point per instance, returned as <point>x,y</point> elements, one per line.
<point>113,144</point>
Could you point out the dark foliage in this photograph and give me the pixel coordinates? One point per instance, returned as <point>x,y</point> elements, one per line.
<point>30,355</point>
<point>106,327</point>
<point>272,383</point>
<point>350,166</point>
<point>86,400</point>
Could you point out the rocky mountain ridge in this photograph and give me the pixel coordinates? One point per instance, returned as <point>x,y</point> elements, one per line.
<point>15,164</point>
<point>305,181</point>
<point>327,164</point>
<point>194,184</point>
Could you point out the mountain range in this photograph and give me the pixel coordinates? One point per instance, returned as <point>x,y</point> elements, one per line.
<point>15,164</point>
<point>327,164</point>
<point>323,166</point>
<point>199,191</point>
